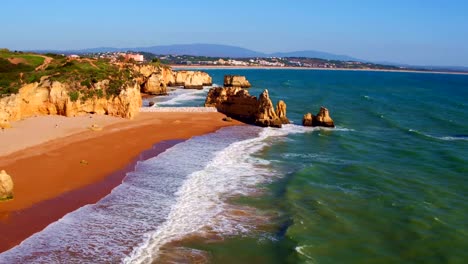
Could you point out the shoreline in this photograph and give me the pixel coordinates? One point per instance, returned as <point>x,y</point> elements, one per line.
<point>68,184</point>
<point>209,67</point>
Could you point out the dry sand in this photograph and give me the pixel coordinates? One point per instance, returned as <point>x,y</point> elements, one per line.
<point>50,164</point>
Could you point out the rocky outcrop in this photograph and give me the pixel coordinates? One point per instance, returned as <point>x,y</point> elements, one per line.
<point>236,81</point>
<point>54,98</point>
<point>266,115</point>
<point>239,104</point>
<point>6,186</point>
<point>281,112</point>
<point>307,119</point>
<point>192,79</point>
<point>155,85</point>
<point>153,79</point>
<point>322,119</point>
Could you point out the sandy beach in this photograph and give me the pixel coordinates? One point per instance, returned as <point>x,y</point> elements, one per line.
<point>59,164</point>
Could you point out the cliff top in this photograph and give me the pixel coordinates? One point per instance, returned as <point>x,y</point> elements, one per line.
<point>20,68</point>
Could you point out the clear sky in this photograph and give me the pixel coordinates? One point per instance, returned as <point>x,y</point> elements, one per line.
<point>418,32</point>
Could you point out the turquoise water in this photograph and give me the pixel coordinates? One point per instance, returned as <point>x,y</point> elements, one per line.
<point>390,188</point>
<point>389,184</point>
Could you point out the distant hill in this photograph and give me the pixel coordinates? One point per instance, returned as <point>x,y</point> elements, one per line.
<point>216,50</point>
<point>211,50</point>
<point>314,54</point>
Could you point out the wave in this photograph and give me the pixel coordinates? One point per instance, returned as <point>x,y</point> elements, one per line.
<point>182,96</point>
<point>181,192</point>
<point>444,138</point>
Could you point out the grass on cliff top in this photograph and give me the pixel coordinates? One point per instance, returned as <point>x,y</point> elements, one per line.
<point>17,69</point>
<point>30,59</point>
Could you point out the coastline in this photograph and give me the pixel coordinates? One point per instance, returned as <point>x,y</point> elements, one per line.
<point>209,67</point>
<point>47,199</point>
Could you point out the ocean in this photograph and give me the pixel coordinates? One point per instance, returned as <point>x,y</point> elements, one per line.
<point>389,184</point>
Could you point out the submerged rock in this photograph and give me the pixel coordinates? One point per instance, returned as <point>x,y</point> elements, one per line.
<point>322,119</point>
<point>6,186</point>
<point>239,104</point>
<point>236,81</point>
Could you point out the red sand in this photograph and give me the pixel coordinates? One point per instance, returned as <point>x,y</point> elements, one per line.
<point>50,180</point>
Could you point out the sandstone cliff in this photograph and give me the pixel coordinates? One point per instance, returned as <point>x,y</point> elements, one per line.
<point>322,119</point>
<point>239,104</point>
<point>192,79</point>
<point>153,79</point>
<point>56,98</point>
<point>236,81</point>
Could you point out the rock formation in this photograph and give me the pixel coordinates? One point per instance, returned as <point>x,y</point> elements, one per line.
<point>155,85</point>
<point>6,186</point>
<point>154,80</point>
<point>281,112</point>
<point>239,104</point>
<point>322,119</point>
<point>192,79</point>
<point>53,98</point>
<point>236,81</point>
<point>307,120</point>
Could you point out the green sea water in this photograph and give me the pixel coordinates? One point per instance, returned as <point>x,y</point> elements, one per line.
<point>389,184</point>
<point>390,187</point>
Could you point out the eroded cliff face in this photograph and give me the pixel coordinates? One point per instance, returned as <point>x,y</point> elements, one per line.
<point>239,104</point>
<point>192,79</point>
<point>153,79</point>
<point>236,81</point>
<point>53,98</point>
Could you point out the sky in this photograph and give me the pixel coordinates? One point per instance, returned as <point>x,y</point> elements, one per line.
<point>417,32</point>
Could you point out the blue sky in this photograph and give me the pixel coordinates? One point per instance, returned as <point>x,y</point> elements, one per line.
<point>415,32</point>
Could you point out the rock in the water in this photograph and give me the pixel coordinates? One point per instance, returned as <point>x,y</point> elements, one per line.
<point>6,186</point>
<point>266,115</point>
<point>151,103</point>
<point>322,119</point>
<point>239,104</point>
<point>281,112</point>
<point>236,81</point>
<point>307,120</point>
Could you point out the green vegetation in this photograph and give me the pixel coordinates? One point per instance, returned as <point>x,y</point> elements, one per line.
<point>74,95</point>
<point>82,75</point>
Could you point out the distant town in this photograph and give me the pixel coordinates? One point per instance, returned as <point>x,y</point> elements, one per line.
<point>273,62</point>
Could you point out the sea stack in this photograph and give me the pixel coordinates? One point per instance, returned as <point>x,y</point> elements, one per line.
<point>239,104</point>
<point>236,81</point>
<point>281,112</point>
<point>322,119</point>
<point>6,186</point>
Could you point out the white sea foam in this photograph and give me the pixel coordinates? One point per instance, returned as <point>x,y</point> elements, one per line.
<point>181,96</point>
<point>180,192</point>
<point>445,138</point>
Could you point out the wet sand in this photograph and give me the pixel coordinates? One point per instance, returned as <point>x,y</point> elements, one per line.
<point>61,175</point>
